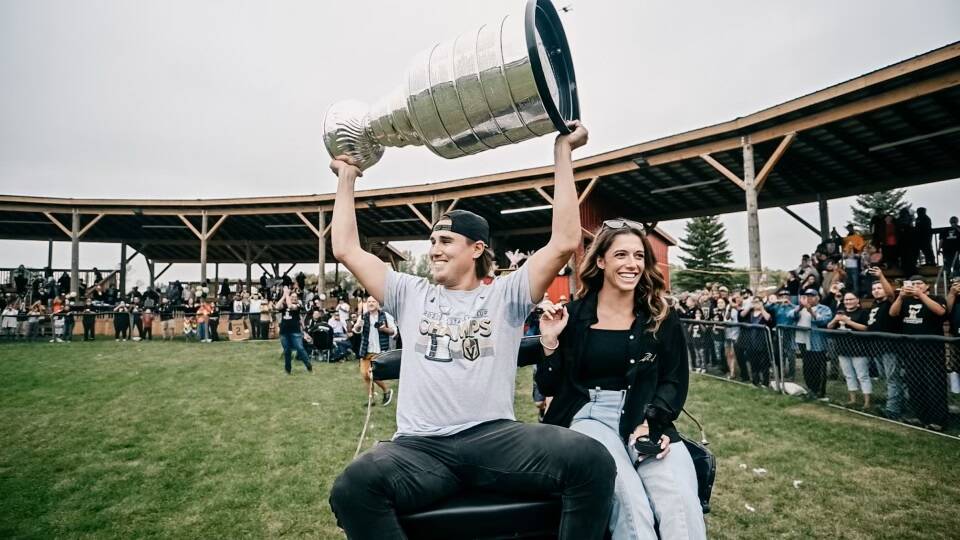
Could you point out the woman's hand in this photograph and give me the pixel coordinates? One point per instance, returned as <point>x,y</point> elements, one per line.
<point>552,321</point>
<point>576,138</point>
<point>643,430</point>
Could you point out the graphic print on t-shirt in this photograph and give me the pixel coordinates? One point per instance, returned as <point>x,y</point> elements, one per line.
<point>913,314</point>
<point>444,337</point>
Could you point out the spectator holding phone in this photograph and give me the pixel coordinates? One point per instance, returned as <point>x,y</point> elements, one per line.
<point>921,314</point>
<point>852,353</point>
<point>879,320</point>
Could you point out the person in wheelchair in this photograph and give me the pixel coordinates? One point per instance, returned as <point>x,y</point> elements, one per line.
<point>615,362</point>
<point>455,413</point>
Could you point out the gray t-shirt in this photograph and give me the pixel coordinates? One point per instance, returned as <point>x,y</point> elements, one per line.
<point>459,360</point>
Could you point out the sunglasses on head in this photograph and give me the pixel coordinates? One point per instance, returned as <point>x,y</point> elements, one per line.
<point>623,223</point>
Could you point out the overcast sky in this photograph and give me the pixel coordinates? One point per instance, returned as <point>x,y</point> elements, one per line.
<point>195,99</point>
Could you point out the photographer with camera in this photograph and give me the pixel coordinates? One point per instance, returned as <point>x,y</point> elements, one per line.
<point>375,328</point>
<point>922,314</point>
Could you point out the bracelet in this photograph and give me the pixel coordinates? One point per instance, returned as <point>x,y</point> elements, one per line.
<point>545,346</point>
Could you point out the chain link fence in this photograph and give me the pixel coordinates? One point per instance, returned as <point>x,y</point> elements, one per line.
<point>910,379</point>
<point>733,350</point>
<point>900,377</point>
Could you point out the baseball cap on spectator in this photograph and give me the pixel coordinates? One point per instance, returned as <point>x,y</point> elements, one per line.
<point>783,292</point>
<point>916,277</point>
<point>724,289</point>
<point>811,292</point>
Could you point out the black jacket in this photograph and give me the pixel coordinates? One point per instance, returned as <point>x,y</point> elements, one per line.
<point>657,380</point>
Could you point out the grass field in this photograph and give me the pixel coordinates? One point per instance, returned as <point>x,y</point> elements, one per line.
<point>178,440</point>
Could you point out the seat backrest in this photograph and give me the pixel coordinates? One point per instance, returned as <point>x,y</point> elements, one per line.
<point>386,366</point>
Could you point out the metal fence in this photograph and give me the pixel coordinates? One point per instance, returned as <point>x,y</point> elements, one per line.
<point>912,379</point>
<point>735,350</point>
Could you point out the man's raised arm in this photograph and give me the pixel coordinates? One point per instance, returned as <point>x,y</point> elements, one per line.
<point>369,270</point>
<point>565,235</point>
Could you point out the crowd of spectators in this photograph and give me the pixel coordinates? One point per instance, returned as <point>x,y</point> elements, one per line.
<point>917,375</point>
<point>36,309</point>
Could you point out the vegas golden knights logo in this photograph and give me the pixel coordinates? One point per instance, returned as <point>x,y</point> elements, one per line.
<point>471,348</point>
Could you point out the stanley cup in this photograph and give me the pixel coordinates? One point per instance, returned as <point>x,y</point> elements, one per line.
<point>502,83</point>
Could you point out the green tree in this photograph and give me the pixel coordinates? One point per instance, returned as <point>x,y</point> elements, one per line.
<point>708,256</point>
<point>418,266</point>
<point>882,202</point>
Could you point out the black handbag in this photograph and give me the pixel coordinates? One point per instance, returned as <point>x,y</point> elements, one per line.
<point>704,462</point>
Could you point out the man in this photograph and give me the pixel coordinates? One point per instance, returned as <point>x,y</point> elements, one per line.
<point>167,324</point>
<point>375,329</point>
<point>256,304</point>
<point>815,355</point>
<point>950,246</point>
<point>879,320</point>
<point>921,314</point>
<point>291,330</point>
<point>784,314</point>
<point>341,343</point>
<point>925,237</point>
<point>455,422</point>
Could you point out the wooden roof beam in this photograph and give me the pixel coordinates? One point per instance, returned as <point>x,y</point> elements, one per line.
<point>588,190</point>
<point>90,225</point>
<point>423,219</point>
<point>59,225</point>
<point>772,162</point>
<point>723,170</point>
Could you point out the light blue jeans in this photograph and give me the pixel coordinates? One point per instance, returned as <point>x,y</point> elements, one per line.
<point>856,370</point>
<point>662,489</point>
<point>891,370</point>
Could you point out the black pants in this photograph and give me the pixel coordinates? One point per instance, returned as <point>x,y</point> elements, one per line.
<point>926,378</point>
<point>760,369</point>
<point>949,258</point>
<point>254,327</point>
<point>147,332</point>
<point>743,354</point>
<point>88,327</point>
<point>213,327</point>
<point>121,331</point>
<point>138,323</point>
<point>815,371</point>
<point>926,248</point>
<point>412,473</point>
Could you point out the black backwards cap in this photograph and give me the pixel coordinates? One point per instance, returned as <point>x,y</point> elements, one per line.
<point>466,223</point>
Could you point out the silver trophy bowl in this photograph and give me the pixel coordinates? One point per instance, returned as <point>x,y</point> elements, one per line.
<point>502,83</point>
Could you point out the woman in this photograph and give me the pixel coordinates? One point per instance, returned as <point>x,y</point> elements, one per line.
<point>854,363</point>
<point>732,334</point>
<point>618,373</point>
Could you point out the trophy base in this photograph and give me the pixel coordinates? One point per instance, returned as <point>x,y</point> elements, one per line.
<point>346,132</point>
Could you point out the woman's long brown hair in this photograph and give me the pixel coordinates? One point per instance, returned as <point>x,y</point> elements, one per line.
<point>650,295</point>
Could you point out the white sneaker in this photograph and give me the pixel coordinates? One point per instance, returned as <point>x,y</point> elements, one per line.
<point>118,339</point>
<point>52,340</point>
<point>59,340</point>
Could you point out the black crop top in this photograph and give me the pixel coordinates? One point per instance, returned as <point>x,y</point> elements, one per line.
<point>605,360</point>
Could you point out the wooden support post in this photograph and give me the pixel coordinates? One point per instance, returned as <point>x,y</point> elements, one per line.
<point>753,220</point>
<point>248,260</point>
<point>75,253</point>
<point>824,218</point>
<point>203,247</point>
<point>321,253</point>
<point>216,274</point>
<point>151,271</point>
<point>123,268</point>
<point>50,253</point>
<point>435,212</point>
